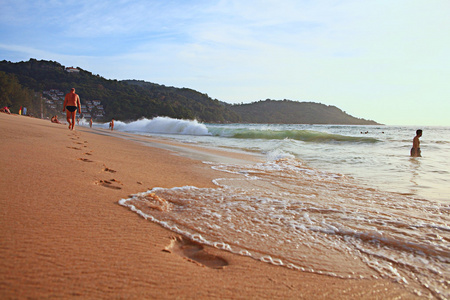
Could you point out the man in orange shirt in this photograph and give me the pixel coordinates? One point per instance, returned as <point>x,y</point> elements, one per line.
<point>71,103</point>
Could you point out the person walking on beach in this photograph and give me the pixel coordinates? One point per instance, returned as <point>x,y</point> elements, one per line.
<point>90,123</point>
<point>71,103</point>
<point>415,150</point>
<point>112,124</point>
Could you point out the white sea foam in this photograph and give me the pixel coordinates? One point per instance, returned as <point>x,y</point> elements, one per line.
<point>291,215</point>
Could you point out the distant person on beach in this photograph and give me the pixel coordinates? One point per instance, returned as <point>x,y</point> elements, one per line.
<point>55,120</point>
<point>111,125</point>
<point>6,110</point>
<point>90,123</point>
<point>71,103</point>
<point>415,150</point>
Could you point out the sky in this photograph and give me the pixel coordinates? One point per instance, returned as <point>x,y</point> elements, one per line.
<point>382,60</point>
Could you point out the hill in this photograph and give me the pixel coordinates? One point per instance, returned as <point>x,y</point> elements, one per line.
<point>293,112</point>
<point>23,84</point>
<point>122,100</point>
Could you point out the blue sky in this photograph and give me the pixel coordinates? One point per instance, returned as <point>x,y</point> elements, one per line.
<point>384,60</point>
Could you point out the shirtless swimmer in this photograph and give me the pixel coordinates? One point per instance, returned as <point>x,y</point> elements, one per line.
<point>70,106</point>
<point>415,150</point>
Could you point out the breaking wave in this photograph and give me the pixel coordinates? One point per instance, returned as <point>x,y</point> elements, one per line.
<point>162,125</point>
<point>166,125</point>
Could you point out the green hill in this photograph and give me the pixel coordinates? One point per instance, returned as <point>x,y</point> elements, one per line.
<point>22,84</point>
<point>293,112</point>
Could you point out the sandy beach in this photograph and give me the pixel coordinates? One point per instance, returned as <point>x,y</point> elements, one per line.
<point>64,235</point>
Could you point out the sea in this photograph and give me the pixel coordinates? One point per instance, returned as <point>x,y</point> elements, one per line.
<point>338,200</point>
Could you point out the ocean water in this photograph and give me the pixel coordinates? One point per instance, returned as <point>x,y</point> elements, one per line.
<point>344,201</point>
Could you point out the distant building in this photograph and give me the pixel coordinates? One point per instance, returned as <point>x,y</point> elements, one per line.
<point>72,70</point>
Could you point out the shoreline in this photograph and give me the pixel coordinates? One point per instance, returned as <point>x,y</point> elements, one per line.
<point>64,235</point>
<point>192,151</point>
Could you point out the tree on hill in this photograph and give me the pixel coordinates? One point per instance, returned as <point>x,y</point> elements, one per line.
<point>13,94</point>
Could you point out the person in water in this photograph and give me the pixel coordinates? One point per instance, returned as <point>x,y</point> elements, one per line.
<point>70,106</point>
<point>415,150</point>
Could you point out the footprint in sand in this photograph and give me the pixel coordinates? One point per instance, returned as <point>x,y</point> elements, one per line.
<point>195,252</point>
<point>109,184</point>
<point>85,159</point>
<point>88,153</point>
<point>106,169</point>
<point>75,148</point>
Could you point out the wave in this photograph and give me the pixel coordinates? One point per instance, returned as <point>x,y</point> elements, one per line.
<point>166,125</point>
<point>300,135</point>
<point>162,125</point>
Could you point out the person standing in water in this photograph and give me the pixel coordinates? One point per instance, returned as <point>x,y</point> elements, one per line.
<point>70,106</point>
<point>111,125</point>
<point>415,150</point>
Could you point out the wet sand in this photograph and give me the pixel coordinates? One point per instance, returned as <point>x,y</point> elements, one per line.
<point>64,235</point>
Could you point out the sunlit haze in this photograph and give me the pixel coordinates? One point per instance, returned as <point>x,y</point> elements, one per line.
<point>382,60</point>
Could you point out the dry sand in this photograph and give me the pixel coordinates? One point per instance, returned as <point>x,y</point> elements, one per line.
<point>63,235</point>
